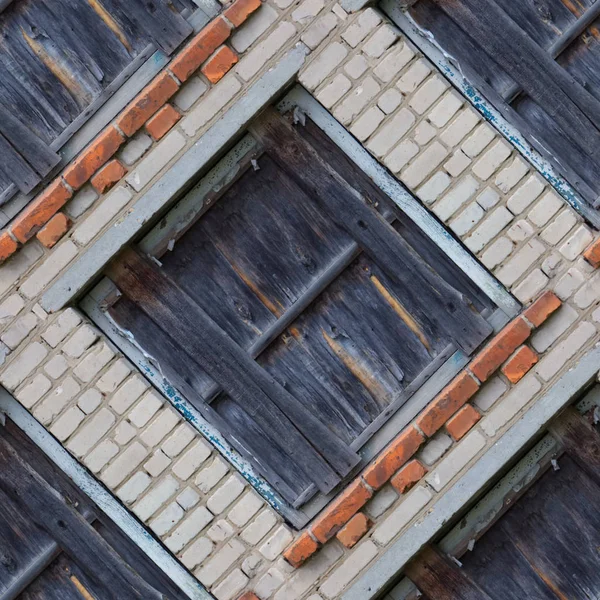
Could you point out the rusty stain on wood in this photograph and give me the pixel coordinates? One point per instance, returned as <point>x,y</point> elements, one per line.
<point>276,310</point>
<point>81,589</point>
<point>110,23</point>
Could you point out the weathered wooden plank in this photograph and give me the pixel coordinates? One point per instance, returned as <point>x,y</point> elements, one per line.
<point>441,579</point>
<point>15,168</point>
<point>233,369</point>
<point>347,208</point>
<point>73,533</point>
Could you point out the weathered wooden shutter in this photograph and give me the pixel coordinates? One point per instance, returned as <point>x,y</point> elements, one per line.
<point>300,311</point>
<point>538,61</point>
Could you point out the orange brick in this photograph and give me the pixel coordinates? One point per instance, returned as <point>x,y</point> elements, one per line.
<point>592,254</point>
<point>8,246</point>
<point>340,511</point>
<point>219,63</point>
<point>406,478</point>
<point>393,457</point>
<point>54,229</point>
<point>519,364</point>
<point>108,175</point>
<point>200,48</point>
<point>97,154</point>
<point>499,349</point>
<point>542,308</point>
<point>40,211</point>
<point>162,121</point>
<point>354,529</point>
<point>240,10</point>
<point>301,550</point>
<point>149,101</point>
<point>447,403</point>
<point>462,421</point>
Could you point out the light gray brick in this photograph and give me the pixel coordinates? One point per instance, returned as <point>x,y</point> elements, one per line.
<point>320,68</point>
<point>392,132</point>
<point>553,328</point>
<point>489,229</point>
<point>167,519</point>
<point>220,531</point>
<point>253,28</point>
<point>89,401</point>
<point>389,101</point>
<point>467,219</point>
<point>401,155</point>
<point>225,495</point>
<point>456,198</point>
<point>576,243</point>
<point>188,464</point>
<point>520,262</point>
<point>435,448</point>
<point>531,286</point>
<point>19,330</point>
<point>17,265</point>
<point>527,193</point>
<point>124,433</point>
<point>458,162</point>
<point>424,165</point>
<point>445,109</point>
<point>178,440</point>
<point>99,356</point>
<point>356,100</point>
<point>114,377</point>
<point>81,201</point>
<point>364,24</point>
<point>156,497</point>
<point>510,176</point>
<point>80,341</point>
<point>559,227</point>
<point>431,190</point>
<point>382,500</point>
<point>269,583</point>
<point>145,409</point>
<point>545,209</point>
<point>487,165</point>
<point>56,366</point>
<point>158,462</point>
<point>128,393</point>
<point>134,488</point>
<point>56,400</point>
<point>197,553</point>
<point>124,464</point>
<point>58,331</point>
<point>245,509</point>
<point>135,148</point>
<point>194,88</point>
<point>427,94</point>
<point>334,91</point>
<point>220,562</point>
<point>478,140</point>
<point>414,76</point>
<point>520,231</point>
<point>497,252</point>
<point>307,10</point>
<point>366,124</point>
<point>33,391</point>
<point>188,498</point>
<point>92,432</point>
<point>101,455</point>
<point>10,308</point>
<point>460,127</point>
<point>394,61</point>
<point>229,588</point>
<point>319,30</point>
<point>569,283</point>
<point>360,557</point>
<point>489,393</point>
<point>20,368</point>
<point>380,41</point>
<point>210,476</point>
<point>259,527</point>
<point>160,427</point>
<point>276,543</point>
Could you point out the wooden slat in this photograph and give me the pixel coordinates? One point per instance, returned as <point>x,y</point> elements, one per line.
<point>432,298</point>
<point>233,369</point>
<point>16,168</point>
<point>441,579</point>
<point>49,511</point>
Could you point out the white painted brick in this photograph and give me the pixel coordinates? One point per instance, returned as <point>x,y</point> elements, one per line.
<point>124,433</point>
<point>576,243</point>
<point>252,564</point>
<point>356,66</point>
<point>467,219</point>
<point>356,100</point>
<point>20,368</point>
<point>89,401</point>
<point>545,209</point>
<point>569,283</point>
<point>245,509</point>
<point>401,155</point>
<point>87,195</point>
<point>269,583</point>
<point>10,308</point>
<point>160,427</point>
<point>33,391</point>
<point>415,75</point>
<point>424,133</point>
<point>56,366</point>
<point>156,498</point>
<point>220,531</point>
<point>334,91</point>
<point>220,562</point>
<point>427,94</point>
<point>553,328</point>
<point>489,229</point>
<point>17,265</point>
<point>320,68</point>
<point>128,393</point>
<point>225,495</point>
<point>364,24</point>
<point>101,455</point>
<point>19,330</point>
<point>134,488</point>
<point>478,140</point>
<point>307,11</point>
<point>456,460</point>
<point>487,396</point>
<point>61,256</point>
<point>187,465</point>
<point>211,104</point>
<point>361,556</point>
<point>445,109</point>
<point>488,198</point>
<point>520,262</point>
<point>551,264</point>
<point>487,165</point>
<point>178,440</point>
<point>259,527</point>
<point>229,588</point>
<point>380,41</point>
<point>158,462</point>
<point>382,500</point>
<point>188,498</point>
<point>193,89</point>
<point>531,286</point>
<point>56,401</point>
<point>460,127</point>
<point>431,190</point>
<point>435,448</point>
<point>519,232</point>
<point>254,27</point>
<point>134,149</point>
<point>394,130</point>
<point>456,198</point>
<point>67,424</point>
<point>365,125</point>
<point>389,101</point>
<point>402,515</point>
<point>124,464</point>
<point>114,377</point>
<point>145,409</point>
<point>167,519</point>
<point>197,553</point>
<point>497,252</point>
<point>80,341</point>
<point>157,159</point>
<point>458,162</point>
<point>588,294</point>
<point>511,404</point>
<point>560,226</point>
<point>210,476</point>
<point>424,165</point>
<point>319,30</point>
<point>91,433</point>
<point>394,61</point>
<point>550,365</point>
<point>510,176</point>
<point>254,61</point>
<point>276,543</point>
<point>527,193</point>
<point>59,330</point>
<point>99,356</point>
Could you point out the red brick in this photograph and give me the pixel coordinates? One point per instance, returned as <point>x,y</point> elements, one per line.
<point>54,229</point>
<point>542,308</point>
<point>108,175</point>
<point>354,530</point>
<point>150,100</point>
<point>462,422</point>
<point>393,457</point>
<point>200,48</point>
<point>249,596</point>
<point>340,511</point>
<point>406,478</point>
<point>447,403</point>
<point>301,550</point>
<point>219,64</point>
<point>8,246</point>
<point>162,121</point>
<point>520,364</point>
<point>97,154</point>
<point>499,349</point>
<point>592,254</point>
<point>40,211</point>
<point>240,10</point>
